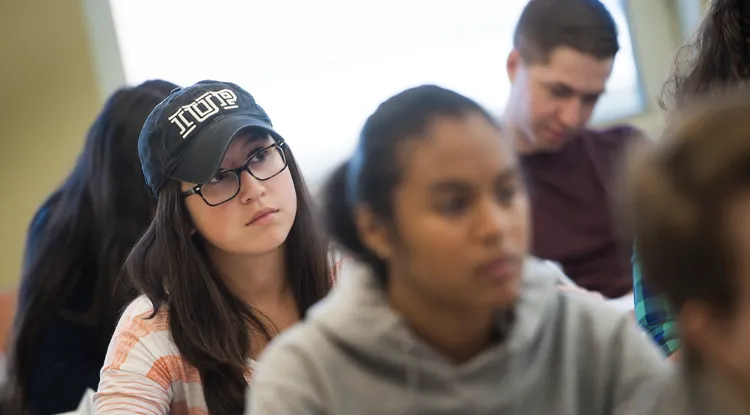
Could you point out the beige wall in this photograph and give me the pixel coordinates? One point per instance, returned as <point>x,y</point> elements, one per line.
<point>49,97</point>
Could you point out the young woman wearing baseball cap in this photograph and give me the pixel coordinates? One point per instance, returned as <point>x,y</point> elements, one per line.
<point>232,257</point>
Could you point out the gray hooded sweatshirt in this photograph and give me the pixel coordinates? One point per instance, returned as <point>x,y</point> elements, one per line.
<point>564,353</point>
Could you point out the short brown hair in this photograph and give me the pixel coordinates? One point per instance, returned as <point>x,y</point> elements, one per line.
<point>583,25</point>
<point>680,193</point>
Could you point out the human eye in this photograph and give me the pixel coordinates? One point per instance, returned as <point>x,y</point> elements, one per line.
<point>220,176</point>
<point>453,206</point>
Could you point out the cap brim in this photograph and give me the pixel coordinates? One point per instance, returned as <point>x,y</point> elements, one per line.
<point>203,161</point>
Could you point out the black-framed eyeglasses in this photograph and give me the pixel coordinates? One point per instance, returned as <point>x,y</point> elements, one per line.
<point>263,164</point>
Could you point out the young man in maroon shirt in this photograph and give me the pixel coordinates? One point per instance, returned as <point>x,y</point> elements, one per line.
<point>563,55</point>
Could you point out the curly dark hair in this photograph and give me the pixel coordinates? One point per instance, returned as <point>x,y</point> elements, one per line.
<point>717,58</point>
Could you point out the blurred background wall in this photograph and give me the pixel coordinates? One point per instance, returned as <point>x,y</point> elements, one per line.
<point>60,59</point>
<point>50,94</point>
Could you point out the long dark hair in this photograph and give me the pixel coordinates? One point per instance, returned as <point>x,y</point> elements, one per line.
<point>371,175</point>
<point>89,225</point>
<point>717,58</point>
<point>211,327</point>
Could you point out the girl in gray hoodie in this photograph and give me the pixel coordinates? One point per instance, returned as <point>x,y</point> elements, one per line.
<point>442,311</point>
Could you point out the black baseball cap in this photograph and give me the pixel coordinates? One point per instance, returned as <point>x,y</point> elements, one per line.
<point>186,135</point>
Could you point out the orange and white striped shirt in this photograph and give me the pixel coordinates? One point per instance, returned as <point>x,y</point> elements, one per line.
<point>144,372</point>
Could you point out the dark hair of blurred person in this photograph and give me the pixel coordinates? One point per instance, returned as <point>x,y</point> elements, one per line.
<point>690,207</point>
<point>714,61</point>
<point>70,294</point>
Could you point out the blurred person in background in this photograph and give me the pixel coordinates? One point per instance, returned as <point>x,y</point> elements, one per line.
<point>563,54</point>
<point>690,207</point>
<point>442,311</point>
<point>71,294</point>
<point>716,59</point>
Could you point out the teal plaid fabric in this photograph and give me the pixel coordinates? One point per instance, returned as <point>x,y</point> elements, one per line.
<point>654,314</point>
